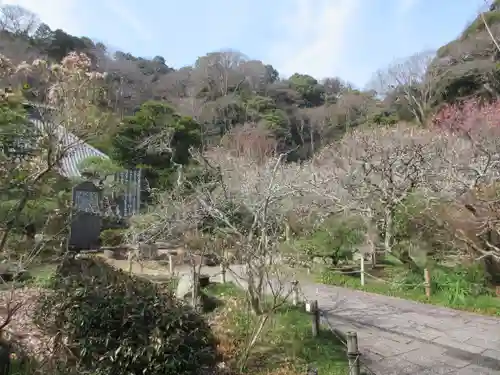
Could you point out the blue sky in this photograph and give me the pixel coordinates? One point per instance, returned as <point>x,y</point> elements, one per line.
<point>346,38</point>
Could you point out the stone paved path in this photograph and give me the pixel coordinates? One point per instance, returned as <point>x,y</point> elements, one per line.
<point>400,337</point>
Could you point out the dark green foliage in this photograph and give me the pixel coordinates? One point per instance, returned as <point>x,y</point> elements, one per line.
<point>5,363</point>
<point>16,134</point>
<point>62,43</point>
<point>309,88</point>
<point>97,167</point>
<point>18,142</point>
<point>112,237</point>
<point>155,137</point>
<point>385,118</point>
<point>117,324</point>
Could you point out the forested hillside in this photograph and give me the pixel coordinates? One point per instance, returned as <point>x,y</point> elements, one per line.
<point>226,90</point>
<point>221,90</point>
<point>471,60</point>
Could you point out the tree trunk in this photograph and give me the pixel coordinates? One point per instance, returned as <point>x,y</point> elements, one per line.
<point>4,358</point>
<point>388,230</point>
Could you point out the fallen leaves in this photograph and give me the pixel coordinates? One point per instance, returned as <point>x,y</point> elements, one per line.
<point>22,332</point>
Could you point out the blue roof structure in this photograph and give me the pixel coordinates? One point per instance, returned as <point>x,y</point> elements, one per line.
<point>78,150</point>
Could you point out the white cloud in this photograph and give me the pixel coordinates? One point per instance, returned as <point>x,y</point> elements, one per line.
<point>66,14</point>
<point>315,35</point>
<point>58,14</point>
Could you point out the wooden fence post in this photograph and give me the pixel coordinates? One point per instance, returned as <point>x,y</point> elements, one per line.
<point>170,264</point>
<point>362,270</point>
<point>353,353</point>
<point>295,292</point>
<point>223,273</point>
<point>313,309</point>
<point>427,282</point>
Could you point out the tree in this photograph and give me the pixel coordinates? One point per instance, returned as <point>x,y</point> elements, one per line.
<point>469,187</point>
<point>372,172</point>
<point>217,73</point>
<point>35,145</point>
<point>176,85</point>
<point>19,141</point>
<point>72,91</point>
<point>18,20</point>
<point>272,74</point>
<point>322,123</point>
<point>472,60</point>
<point>308,87</point>
<point>252,141</point>
<point>333,89</point>
<point>417,81</point>
<point>240,210</point>
<point>128,87</point>
<point>158,138</point>
<point>256,75</point>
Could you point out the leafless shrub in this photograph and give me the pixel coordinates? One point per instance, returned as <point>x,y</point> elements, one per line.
<point>251,141</point>
<point>416,79</point>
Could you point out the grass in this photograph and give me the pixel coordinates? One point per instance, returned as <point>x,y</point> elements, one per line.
<point>22,367</point>
<point>286,346</point>
<point>42,275</point>
<point>457,288</point>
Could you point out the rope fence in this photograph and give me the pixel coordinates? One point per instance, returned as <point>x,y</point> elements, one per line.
<point>363,275</point>
<point>319,318</point>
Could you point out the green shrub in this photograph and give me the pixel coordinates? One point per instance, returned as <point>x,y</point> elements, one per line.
<point>455,284</point>
<point>113,323</point>
<point>335,241</point>
<point>43,276</point>
<point>460,282</point>
<point>330,277</point>
<point>112,237</point>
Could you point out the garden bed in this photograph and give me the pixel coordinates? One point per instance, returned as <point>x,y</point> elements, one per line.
<point>286,346</point>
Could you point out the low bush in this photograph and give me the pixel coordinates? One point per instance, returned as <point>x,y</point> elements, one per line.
<point>112,323</point>
<point>334,242</point>
<point>112,237</point>
<point>455,285</point>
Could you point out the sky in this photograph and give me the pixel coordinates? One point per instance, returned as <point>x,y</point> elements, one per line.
<point>350,39</point>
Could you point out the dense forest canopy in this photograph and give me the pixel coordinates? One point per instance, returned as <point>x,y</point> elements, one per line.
<point>235,99</point>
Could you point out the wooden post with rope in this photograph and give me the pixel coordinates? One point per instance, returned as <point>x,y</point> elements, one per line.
<point>353,353</point>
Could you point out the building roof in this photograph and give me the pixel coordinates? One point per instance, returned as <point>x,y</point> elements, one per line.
<point>79,152</point>
<point>78,149</point>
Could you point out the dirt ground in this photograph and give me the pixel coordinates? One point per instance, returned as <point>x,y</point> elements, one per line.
<point>21,330</point>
